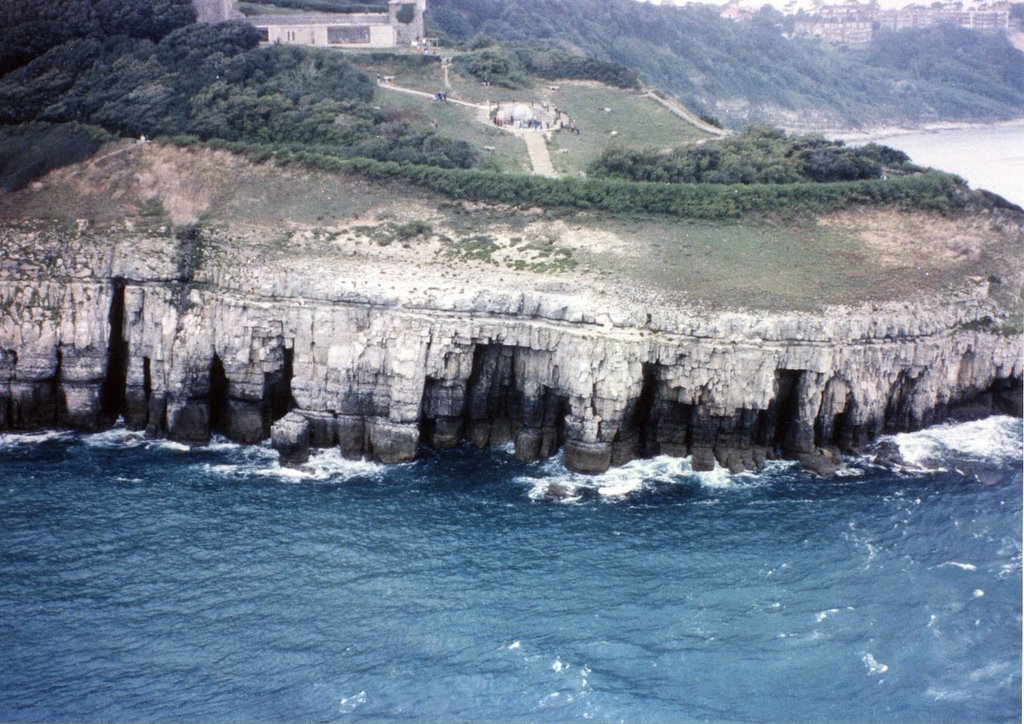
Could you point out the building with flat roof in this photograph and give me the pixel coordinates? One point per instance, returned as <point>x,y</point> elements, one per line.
<point>400,26</point>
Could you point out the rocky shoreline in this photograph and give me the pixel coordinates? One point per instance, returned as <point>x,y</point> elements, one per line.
<point>380,381</point>
<point>382,349</point>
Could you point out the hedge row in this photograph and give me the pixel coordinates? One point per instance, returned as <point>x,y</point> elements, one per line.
<point>931,190</point>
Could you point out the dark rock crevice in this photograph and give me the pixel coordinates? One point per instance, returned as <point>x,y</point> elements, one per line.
<point>112,390</point>
<point>219,398</point>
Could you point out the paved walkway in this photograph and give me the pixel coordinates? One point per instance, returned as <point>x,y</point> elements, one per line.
<point>540,159</point>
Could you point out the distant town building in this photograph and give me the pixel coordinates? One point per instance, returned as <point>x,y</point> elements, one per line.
<point>733,10</point>
<point>848,32</point>
<point>855,23</point>
<point>400,26</point>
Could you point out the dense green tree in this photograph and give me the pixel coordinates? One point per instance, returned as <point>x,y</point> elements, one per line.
<point>216,82</point>
<point>29,28</point>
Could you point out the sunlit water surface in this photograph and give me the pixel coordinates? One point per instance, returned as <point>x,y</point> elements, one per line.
<point>141,580</point>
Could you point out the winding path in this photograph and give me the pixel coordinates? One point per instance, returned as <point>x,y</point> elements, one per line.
<point>686,115</point>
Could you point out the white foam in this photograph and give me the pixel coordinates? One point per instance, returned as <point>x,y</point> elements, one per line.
<point>323,465</point>
<point>549,480</point>
<point>978,593</point>
<point>116,437</point>
<point>557,666</point>
<point>962,566</point>
<point>221,443</point>
<point>874,667</point>
<point>349,703</point>
<point>33,438</point>
<point>329,464</point>
<point>169,445</point>
<point>822,615</point>
<point>994,438</point>
<point>846,471</point>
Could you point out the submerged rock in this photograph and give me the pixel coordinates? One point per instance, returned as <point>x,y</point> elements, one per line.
<point>888,454</point>
<point>822,461</point>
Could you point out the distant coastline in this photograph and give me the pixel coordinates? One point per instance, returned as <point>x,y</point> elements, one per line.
<point>863,135</point>
<point>987,155</point>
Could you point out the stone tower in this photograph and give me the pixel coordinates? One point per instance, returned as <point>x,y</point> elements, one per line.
<point>215,11</point>
<point>406,18</point>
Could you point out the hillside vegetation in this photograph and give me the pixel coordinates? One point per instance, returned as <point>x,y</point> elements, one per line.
<point>748,72</point>
<point>213,84</point>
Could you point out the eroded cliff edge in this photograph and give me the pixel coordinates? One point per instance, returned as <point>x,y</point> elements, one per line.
<point>115,301</point>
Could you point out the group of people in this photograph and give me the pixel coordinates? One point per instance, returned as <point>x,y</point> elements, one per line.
<point>562,121</point>
<point>532,123</point>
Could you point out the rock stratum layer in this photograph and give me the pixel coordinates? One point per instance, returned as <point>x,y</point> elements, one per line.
<point>185,335</point>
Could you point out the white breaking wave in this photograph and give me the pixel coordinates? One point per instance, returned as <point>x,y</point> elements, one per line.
<point>962,566</point>
<point>874,667</point>
<point>116,437</point>
<point>323,465</point>
<point>169,445</point>
<point>348,704</point>
<point>994,439</point>
<point>552,481</point>
<point>9,440</point>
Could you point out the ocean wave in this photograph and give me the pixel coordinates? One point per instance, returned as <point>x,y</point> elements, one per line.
<point>12,439</point>
<point>116,437</point>
<point>873,666</point>
<point>160,444</point>
<point>326,465</point>
<point>550,480</point>
<point>956,445</point>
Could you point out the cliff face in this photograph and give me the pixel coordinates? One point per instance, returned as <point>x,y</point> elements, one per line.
<point>380,380</point>
<point>185,340</point>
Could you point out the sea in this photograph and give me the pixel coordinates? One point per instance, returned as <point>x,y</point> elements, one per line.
<point>989,157</point>
<point>143,580</point>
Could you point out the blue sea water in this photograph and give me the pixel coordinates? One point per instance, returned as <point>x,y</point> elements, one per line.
<point>141,580</point>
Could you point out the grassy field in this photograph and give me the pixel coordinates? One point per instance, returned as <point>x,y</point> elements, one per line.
<point>744,265</point>
<point>638,122</point>
<point>346,226</point>
<point>457,121</point>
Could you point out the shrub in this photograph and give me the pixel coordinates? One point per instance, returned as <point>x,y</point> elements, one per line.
<point>406,13</point>
<point>757,156</point>
<point>413,229</point>
<point>498,67</point>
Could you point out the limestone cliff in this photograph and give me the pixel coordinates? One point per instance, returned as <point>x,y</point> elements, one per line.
<point>192,331</point>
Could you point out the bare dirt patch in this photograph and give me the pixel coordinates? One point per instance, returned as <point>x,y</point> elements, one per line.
<point>897,238</point>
